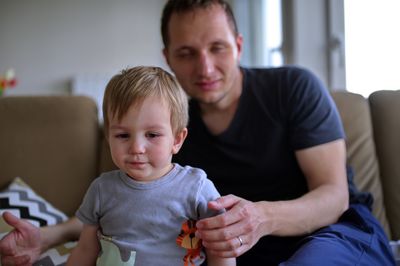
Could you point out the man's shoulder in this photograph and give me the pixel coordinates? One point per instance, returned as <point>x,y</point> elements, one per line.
<point>285,81</point>
<point>277,83</point>
<point>287,71</point>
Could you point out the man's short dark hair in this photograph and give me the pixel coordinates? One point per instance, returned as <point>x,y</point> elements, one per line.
<point>182,6</point>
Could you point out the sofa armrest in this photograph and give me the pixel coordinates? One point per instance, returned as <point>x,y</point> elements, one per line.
<point>361,154</point>
<point>385,111</point>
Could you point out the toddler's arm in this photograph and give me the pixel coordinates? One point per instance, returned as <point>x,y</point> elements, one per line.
<point>87,249</point>
<point>213,260</point>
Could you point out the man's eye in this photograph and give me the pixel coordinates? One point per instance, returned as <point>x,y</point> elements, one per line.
<point>122,136</point>
<point>218,48</point>
<point>184,54</point>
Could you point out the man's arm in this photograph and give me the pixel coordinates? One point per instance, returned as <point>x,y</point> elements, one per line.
<point>60,233</point>
<point>324,167</point>
<point>26,242</point>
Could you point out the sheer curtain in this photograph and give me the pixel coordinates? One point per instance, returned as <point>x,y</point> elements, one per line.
<point>260,23</point>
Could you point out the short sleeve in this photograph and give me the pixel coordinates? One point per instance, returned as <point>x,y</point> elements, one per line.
<point>313,118</point>
<point>89,211</point>
<point>206,193</point>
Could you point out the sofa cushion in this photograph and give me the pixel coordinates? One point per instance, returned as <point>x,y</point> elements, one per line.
<point>52,141</point>
<point>385,110</point>
<point>355,113</point>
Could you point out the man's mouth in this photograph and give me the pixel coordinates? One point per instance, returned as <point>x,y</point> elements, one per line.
<point>208,85</point>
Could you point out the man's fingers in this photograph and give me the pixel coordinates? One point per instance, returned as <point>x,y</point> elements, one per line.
<point>6,249</point>
<point>15,222</point>
<point>10,219</point>
<point>18,260</point>
<point>224,202</point>
<point>222,220</point>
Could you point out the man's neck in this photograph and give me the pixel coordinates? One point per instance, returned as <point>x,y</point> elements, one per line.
<point>218,116</point>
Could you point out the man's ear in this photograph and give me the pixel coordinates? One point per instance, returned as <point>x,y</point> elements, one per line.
<point>165,53</point>
<point>179,139</point>
<point>239,45</point>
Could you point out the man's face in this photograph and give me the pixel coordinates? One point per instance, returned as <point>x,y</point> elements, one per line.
<point>204,53</point>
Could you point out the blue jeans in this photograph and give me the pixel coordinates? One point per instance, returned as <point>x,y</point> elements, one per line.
<point>356,239</point>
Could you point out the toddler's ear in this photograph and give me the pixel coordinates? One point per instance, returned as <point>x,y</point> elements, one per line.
<point>179,139</point>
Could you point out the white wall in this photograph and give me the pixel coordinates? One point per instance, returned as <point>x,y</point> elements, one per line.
<point>48,42</point>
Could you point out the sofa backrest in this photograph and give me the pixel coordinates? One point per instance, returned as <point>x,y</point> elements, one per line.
<point>106,163</point>
<point>385,111</point>
<point>60,159</point>
<point>51,142</point>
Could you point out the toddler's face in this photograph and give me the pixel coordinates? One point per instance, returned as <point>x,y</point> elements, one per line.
<point>142,143</point>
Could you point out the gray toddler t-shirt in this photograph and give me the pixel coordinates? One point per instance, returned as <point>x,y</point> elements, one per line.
<point>148,221</point>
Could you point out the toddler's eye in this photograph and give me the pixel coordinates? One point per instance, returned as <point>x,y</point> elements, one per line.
<point>152,135</point>
<point>122,136</point>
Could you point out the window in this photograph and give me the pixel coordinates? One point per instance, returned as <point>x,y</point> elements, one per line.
<point>272,19</point>
<point>372,43</point>
<point>260,23</point>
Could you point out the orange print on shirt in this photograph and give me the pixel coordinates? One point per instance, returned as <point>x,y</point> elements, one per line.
<point>189,241</point>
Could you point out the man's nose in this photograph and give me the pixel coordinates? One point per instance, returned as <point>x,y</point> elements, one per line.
<point>205,64</point>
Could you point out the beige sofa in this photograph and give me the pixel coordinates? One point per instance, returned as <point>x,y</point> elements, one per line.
<point>56,145</point>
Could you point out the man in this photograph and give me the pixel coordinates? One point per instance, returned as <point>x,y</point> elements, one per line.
<point>272,141</point>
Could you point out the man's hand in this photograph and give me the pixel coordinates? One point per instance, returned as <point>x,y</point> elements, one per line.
<point>22,245</point>
<point>234,232</point>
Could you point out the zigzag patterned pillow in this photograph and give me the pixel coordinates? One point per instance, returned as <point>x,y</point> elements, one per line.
<point>19,199</point>
<point>23,202</point>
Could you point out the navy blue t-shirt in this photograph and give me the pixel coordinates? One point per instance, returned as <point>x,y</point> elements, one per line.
<point>281,110</point>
